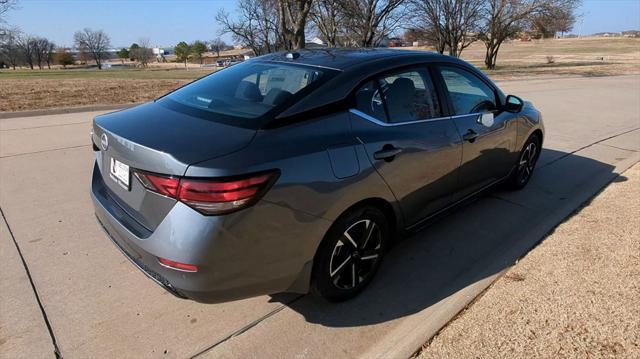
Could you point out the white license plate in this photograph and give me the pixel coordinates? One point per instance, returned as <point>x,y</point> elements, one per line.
<point>119,172</point>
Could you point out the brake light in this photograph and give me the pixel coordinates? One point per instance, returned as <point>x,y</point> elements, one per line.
<point>211,196</point>
<point>166,186</point>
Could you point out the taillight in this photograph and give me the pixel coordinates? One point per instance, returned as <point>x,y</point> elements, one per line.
<point>211,196</point>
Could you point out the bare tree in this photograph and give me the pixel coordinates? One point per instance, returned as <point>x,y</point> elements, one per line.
<point>369,21</point>
<point>451,24</point>
<point>5,6</point>
<point>503,19</point>
<point>49,51</point>
<point>217,45</point>
<point>143,52</point>
<point>96,43</point>
<point>42,49</point>
<point>328,19</point>
<point>292,21</point>
<point>555,16</point>
<point>256,25</point>
<point>9,49</point>
<point>26,45</point>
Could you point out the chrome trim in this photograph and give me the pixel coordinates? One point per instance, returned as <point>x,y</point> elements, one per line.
<point>390,124</point>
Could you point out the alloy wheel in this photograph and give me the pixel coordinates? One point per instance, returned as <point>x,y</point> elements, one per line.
<point>355,254</point>
<point>527,162</point>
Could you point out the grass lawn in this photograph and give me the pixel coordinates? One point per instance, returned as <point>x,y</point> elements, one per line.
<point>39,89</point>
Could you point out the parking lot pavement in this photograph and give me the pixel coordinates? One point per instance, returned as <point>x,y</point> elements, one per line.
<point>99,304</point>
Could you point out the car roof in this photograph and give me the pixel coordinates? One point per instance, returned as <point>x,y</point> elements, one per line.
<point>343,58</point>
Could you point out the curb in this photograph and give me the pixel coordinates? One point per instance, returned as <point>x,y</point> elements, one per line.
<point>59,111</point>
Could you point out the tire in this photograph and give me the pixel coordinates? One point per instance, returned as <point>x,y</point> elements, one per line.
<point>350,254</point>
<point>525,164</point>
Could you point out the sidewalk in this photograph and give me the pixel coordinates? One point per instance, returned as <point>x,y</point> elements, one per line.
<point>575,295</point>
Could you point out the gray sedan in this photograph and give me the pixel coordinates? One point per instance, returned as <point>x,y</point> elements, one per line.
<point>297,171</point>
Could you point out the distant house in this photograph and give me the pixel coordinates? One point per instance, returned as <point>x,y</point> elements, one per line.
<point>631,33</point>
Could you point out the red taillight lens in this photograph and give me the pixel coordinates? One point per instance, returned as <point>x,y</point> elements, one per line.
<point>211,196</point>
<point>217,196</point>
<point>167,186</point>
<point>177,265</point>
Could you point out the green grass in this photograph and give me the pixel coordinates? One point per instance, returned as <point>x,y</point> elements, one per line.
<point>140,74</point>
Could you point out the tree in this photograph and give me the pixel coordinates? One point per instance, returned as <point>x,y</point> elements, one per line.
<point>328,19</point>
<point>256,25</point>
<point>292,20</point>
<point>369,21</point>
<point>183,50</point>
<point>5,6</point>
<point>142,52</point>
<point>9,49</point>
<point>503,20</point>
<point>450,24</point>
<point>26,45</point>
<point>132,51</point>
<point>218,45</point>
<point>122,54</point>
<point>197,49</point>
<point>96,43</point>
<point>63,57</point>
<point>413,34</point>
<point>555,16</point>
<point>43,51</point>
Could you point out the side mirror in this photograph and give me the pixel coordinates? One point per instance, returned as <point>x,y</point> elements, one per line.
<point>513,104</point>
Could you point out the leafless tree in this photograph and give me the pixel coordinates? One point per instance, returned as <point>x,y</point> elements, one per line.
<point>451,24</point>
<point>292,21</point>
<point>9,49</point>
<point>328,19</point>
<point>217,45</point>
<point>26,44</point>
<point>504,19</point>
<point>49,51</point>
<point>96,43</point>
<point>42,50</point>
<point>369,21</point>
<point>143,53</point>
<point>555,16</point>
<point>256,25</point>
<point>5,6</point>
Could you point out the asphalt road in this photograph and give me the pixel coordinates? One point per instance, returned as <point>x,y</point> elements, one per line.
<point>95,303</point>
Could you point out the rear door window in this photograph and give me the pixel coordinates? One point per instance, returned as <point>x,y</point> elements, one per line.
<point>398,97</point>
<point>410,96</point>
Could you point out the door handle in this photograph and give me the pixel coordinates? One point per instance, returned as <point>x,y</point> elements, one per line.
<point>470,136</point>
<point>387,153</point>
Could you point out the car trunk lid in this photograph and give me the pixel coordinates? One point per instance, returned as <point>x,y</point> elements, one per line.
<point>155,139</point>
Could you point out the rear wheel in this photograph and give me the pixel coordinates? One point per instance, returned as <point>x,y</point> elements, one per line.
<point>350,254</point>
<point>526,163</point>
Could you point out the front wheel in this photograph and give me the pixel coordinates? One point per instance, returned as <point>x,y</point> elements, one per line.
<point>526,163</point>
<point>350,254</point>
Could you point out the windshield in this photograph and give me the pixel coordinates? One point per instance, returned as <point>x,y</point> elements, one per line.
<point>250,89</point>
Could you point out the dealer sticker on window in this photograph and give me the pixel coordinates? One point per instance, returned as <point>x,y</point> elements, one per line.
<point>119,172</point>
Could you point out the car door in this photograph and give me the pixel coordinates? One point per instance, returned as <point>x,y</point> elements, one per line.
<point>488,134</point>
<point>410,141</point>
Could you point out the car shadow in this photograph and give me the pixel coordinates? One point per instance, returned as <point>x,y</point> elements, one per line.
<point>468,245</point>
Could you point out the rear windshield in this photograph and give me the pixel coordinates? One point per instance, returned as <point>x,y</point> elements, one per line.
<point>249,90</point>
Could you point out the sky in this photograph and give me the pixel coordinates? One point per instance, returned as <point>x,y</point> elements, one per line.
<point>167,22</point>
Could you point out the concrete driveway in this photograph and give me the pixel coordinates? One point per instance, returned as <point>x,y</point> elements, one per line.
<point>92,302</point>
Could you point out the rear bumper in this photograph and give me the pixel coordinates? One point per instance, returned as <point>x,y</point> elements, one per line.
<point>264,249</point>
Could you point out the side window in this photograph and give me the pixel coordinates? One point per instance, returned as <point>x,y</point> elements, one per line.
<point>410,96</point>
<point>467,92</point>
<point>368,100</point>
